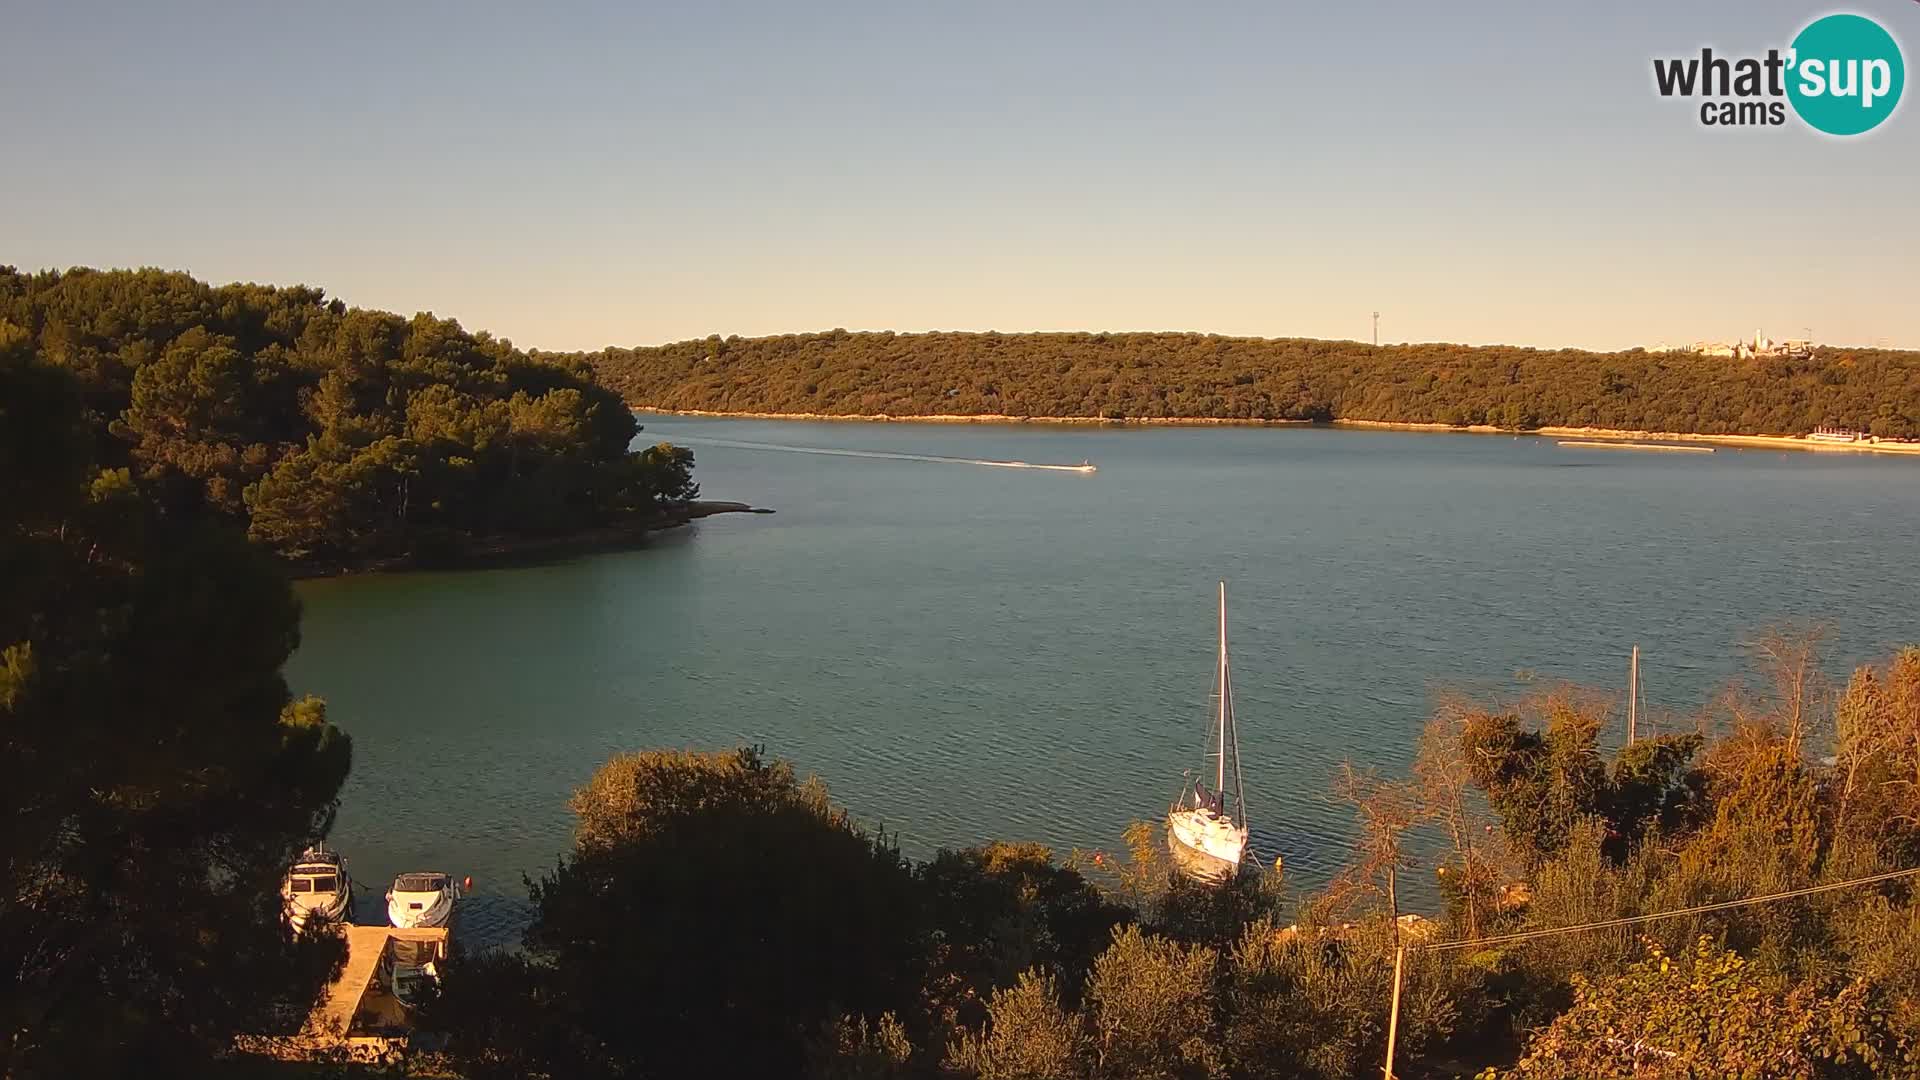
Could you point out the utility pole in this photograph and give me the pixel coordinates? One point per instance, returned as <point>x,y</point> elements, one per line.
<point>1393,1016</point>
<point>1399,955</point>
<point>1376,329</point>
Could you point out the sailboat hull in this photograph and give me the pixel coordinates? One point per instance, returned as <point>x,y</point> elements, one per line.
<point>1203,845</point>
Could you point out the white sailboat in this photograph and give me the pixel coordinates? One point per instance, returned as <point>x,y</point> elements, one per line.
<point>1207,827</point>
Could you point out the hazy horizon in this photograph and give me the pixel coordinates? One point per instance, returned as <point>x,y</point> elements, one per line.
<point>603,176</point>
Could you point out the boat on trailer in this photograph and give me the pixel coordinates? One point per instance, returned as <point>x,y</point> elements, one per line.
<point>1207,826</point>
<point>317,885</point>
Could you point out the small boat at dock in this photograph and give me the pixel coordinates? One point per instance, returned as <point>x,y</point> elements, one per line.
<point>422,900</point>
<point>1207,827</point>
<point>317,886</point>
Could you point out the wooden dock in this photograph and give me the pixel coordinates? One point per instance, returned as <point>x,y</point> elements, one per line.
<point>1623,444</point>
<point>357,1013</point>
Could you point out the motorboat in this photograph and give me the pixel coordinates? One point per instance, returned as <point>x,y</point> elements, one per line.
<point>317,885</point>
<point>410,967</point>
<point>1207,826</point>
<point>422,899</point>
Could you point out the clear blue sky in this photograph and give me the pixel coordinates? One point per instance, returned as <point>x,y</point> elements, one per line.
<point>631,174</point>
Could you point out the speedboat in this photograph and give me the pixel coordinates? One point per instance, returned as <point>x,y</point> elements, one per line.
<point>1206,826</point>
<point>421,899</point>
<point>317,886</point>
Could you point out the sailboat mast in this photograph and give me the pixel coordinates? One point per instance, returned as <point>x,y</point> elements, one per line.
<point>1226,694</point>
<point>1633,697</point>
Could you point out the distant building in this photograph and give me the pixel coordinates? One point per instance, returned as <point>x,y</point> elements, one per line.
<point>1838,435</point>
<point>1760,346</point>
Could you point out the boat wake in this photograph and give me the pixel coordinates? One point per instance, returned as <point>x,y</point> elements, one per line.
<point>740,444</point>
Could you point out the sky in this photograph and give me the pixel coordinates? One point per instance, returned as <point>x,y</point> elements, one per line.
<point>576,176</point>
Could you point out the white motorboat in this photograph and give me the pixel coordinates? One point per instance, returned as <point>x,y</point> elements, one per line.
<point>317,886</point>
<point>1207,827</point>
<point>421,899</point>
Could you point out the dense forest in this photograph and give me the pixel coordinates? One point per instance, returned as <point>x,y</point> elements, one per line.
<point>720,916</point>
<point>335,434</point>
<point>1155,375</point>
<point>155,773</point>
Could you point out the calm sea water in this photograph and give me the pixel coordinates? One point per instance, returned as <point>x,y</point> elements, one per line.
<point>966,652</point>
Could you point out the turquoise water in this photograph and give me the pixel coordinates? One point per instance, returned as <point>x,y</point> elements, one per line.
<point>966,652</point>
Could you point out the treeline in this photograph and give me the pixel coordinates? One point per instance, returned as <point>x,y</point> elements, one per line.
<point>719,916</point>
<point>155,774</point>
<point>1163,375</point>
<point>330,433</point>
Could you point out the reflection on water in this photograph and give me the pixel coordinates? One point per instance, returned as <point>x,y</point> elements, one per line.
<point>967,654</point>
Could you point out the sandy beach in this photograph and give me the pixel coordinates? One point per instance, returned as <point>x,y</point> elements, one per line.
<point>1751,442</point>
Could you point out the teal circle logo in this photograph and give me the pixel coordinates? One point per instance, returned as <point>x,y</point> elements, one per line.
<point>1846,74</point>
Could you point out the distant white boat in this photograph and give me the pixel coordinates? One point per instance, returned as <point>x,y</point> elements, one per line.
<point>422,899</point>
<point>1083,467</point>
<point>317,886</point>
<point>1207,827</point>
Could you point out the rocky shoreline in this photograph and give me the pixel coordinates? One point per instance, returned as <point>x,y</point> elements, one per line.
<point>520,550</point>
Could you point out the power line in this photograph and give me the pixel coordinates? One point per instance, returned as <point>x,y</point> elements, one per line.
<point>1400,952</point>
<point>1527,935</point>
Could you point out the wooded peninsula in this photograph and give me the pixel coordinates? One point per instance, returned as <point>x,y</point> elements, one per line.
<point>1162,376</point>
<point>334,436</point>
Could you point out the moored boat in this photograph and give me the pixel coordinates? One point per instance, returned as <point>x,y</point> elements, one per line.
<point>410,967</point>
<point>422,899</point>
<point>317,885</point>
<point>1207,827</point>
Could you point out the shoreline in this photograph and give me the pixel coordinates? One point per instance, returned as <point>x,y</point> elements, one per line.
<point>497,551</point>
<point>981,418</point>
<point>1750,442</point>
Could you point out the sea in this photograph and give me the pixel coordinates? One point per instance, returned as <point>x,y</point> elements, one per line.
<point>965,649</point>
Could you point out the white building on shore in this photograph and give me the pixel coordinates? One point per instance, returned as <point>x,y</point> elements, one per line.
<point>1760,346</point>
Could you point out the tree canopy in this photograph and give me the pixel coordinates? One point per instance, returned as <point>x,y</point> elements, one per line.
<point>715,915</point>
<point>719,914</point>
<point>158,777</point>
<point>332,433</point>
<point>1163,375</point>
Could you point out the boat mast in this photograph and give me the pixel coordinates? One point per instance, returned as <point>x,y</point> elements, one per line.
<point>1633,697</point>
<point>1220,773</point>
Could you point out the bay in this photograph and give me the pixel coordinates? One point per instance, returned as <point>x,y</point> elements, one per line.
<point>967,652</point>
